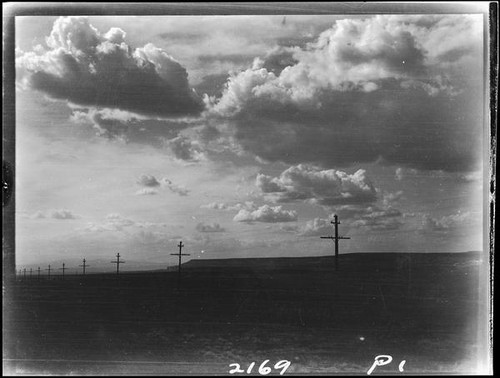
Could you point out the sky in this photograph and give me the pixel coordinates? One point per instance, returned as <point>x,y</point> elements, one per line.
<point>242,136</point>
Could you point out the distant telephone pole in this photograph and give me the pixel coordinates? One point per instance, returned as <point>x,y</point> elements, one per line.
<point>84,266</point>
<point>180,254</point>
<point>48,274</point>
<point>31,273</point>
<point>117,262</point>
<point>38,273</point>
<point>336,239</point>
<point>63,269</point>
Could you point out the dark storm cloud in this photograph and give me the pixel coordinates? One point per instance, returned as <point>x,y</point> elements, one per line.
<point>382,88</point>
<point>88,68</point>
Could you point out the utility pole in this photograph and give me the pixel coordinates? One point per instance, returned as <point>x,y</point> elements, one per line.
<point>24,275</point>
<point>336,239</point>
<point>48,275</point>
<point>180,254</point>
<point>117,262</point>
<point>31,273</point>
<point>38,273</point>
<point>84,266</point>
<point>63,269</point>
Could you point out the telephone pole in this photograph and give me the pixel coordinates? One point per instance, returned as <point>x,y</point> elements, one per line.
<point>117,262</point>
<point>180,254</point>
<point>38,273</point>
<point>31,273</point>
<point>48,274</point>
<point>63,269</point>
<point>84,266</point>
<point>336,239</point>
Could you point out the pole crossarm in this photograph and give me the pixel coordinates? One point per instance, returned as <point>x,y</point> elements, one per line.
<point>118,262</point>
<point>335,238</point>
<point>180,254</point>
<point>63,269</point>
<point>84,266</point>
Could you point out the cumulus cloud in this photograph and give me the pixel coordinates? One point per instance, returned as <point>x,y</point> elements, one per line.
<point>248,205</point>
<point>266,213</point>
<point>184,149</point>
<point>62,214</point>
<point>152,186</point>
<point>84,66</point>
<point>324,187</point>
<point>115,222</point>
<point>180,190</point>
<point>148,180</point>
<point>367,89</point>
<point>317,227</point>
<point>214,227</point>
<point>146,192</point>
<point>444,224</point>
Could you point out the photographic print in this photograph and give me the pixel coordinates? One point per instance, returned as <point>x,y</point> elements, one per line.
<point>248,189</point>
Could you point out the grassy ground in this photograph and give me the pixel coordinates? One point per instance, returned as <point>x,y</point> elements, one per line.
<point>418,308</point>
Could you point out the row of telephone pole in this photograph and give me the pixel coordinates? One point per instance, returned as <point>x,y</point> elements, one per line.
<point>84,265</point>
<point>50,269</point>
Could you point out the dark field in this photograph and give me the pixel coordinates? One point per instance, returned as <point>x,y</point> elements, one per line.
<point>422,308</point>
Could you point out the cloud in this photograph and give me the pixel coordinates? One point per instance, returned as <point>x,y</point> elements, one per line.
<point>317,227</point>
<point>249,205</point>
<point>152,186</point>
<point>399,174</point>
<point>215,227</point>
<point>62,214</point>
<point>376,218</point>
<point>89,68</point>
<point>445,224</point>
<point>180,190</point>
<point>290,228</point>
<point>148,180</point>
<point>324,187</point>
<point>184,149</point>
<point>368,89</point>
<point>115,222</point>
<point>390,198</point>
<point>373,217</point>
<point>146,192</point>
<point>266,213</point>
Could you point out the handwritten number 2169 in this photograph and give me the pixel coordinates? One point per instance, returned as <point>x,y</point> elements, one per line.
<point>263,369</point>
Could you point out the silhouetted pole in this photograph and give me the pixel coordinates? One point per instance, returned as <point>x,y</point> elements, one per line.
<point>84,266</point>
<point>336,239</point>
<point>48,274</point>
<point>63,269</point>
<point>24,274</point>
<point>117,262</point>
<point>180,254</point>
<point>38,273</point>
<point>31,273</point>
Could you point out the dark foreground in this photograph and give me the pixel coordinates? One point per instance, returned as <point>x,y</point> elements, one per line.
<point>421,308</point>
